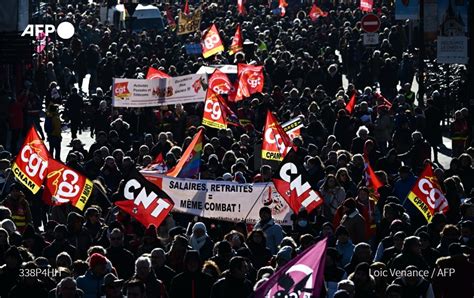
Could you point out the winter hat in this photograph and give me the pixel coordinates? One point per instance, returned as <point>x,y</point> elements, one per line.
<point>199,226</point>
<point>97,259</point>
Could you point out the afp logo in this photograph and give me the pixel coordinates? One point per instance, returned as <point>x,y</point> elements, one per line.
<point>65,30</point>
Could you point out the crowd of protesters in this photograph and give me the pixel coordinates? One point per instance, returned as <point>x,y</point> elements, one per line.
<point>104,252</point>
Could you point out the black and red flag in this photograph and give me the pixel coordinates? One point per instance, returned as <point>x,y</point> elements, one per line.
<point>144,201</point>
<point>292,182</point>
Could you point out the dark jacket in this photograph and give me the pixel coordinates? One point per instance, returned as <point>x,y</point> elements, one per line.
<point>123,261</point>
<point>229,287</point>
<point>187,284</point>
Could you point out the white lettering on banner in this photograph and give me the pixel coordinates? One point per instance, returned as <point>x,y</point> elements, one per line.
<point>214,108</point>
<point>34,162</point>
<point>254,83</point>
<point>144,198</point>
<point>295,184</point>
<point>433,194</point>
<point>68,189</point>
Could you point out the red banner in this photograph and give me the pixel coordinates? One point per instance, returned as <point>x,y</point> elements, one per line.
<point>250,81</point>
<point>427,196</point>
<point>170,18</point>
<point>211,42</point>
<point>219,83</point>
<point>31,163</point>
<point>65,185</point>
<point>276,143</point>
<point>366,5</point>
<point>351,104</point>
<point>316,12</point>
<point>237,42</point>
<point>282,4</point>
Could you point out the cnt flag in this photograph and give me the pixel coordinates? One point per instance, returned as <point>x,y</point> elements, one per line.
<point>190,162</point>
<point>316,12</point>
<point>237,42</point>
<point>250,80</point>
<point>366,5</point>
<point>427,196</point>
<point>65,185</point>
<point>216,112</point>
<point>292,182</point>
<point>211,42</point>
<point>31,163</point>
<point>301,277</point>
<point>144,201</point>
<point>219,83</point>
<point>154,73</point>
<point>276,142</point>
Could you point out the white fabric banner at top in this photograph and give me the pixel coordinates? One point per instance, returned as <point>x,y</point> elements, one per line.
<point>221,200</point>
<point>135,93</point>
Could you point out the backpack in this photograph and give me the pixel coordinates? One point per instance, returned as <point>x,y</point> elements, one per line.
<point>48,124</point>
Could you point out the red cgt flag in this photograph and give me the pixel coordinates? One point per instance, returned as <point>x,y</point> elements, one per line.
<point>65,185</point>
<point>366,5</point>
<point>216,111</point>
<point>237,42</point>
<point>316,12</point>
<point>211,42</point>
<point>282,4</point>
<point>219,83</point>
<point>186,7</point>
<point>31,163</point>
<point>144,201</point>
<point>427,195</point>
<point>250,81</point>
<point>154,73</point>
<point>276,142</point>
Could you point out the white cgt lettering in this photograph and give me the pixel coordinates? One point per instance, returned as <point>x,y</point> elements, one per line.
<point>214,108</point>
<point>68,189</point>
<point>432,194</point>
<point>35,164</point>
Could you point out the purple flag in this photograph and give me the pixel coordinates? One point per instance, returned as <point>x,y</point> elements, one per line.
<point>301,277</point>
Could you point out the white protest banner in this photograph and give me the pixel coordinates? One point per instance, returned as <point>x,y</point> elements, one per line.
<point>228,201</point>
<point>135,93</point>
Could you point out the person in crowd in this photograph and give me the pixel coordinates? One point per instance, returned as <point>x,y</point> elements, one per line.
<point>144,273</point>
<point>273,231</point>
<point>122,259</point>
<point>235,283</point>
<point>91,282</point>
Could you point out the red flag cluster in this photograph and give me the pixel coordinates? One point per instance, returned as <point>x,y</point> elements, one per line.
<point>35,167</point>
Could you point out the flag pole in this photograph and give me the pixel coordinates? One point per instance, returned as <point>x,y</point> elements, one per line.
<point>254,203</point>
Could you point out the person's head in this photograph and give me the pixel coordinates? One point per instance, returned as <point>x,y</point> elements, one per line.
<point>412,245</point>
<point>347,285</point>
<point>64,260</point>
<point>4,238</point>
<point>398,240</point>
<point>158,257</point>
<point>16,191</point>
<point>363,252</point>
<point>199,230</point>
<point>13,258</point>
<point>98,264</point>
<point>257,237</point>
<point>67,288</point>
<point>394,291</point>
<point>112,286</point>
<point>265,214</point>
<point>284,255</point>
<point>450,233</point>
<point>60,233</point>
<point>135,289</point>
<point>116,238</point>
<point>361,274</point>
<point>192,261</point>
<point>142,268</point>
<point>342,234</point>
<point>238,267</point>
<point>349,205</point>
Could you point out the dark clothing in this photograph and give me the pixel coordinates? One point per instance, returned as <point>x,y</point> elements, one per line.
<point>229,287</point>
<point>23,289</point>
<point>165,274</point>
<point>187,284</point>
<point>55,248</point>
<point>123,261</point>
